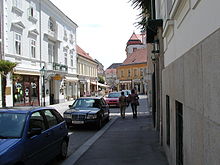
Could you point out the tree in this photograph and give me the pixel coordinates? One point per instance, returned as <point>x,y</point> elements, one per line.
<point>101,80</point>
<point>145,6</point>
<point>5,68</point>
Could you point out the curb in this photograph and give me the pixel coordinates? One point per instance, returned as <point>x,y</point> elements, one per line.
<point>72,159</point>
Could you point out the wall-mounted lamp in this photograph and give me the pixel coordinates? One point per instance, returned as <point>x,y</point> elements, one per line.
<point>156,47</point>
<point>153,58</point>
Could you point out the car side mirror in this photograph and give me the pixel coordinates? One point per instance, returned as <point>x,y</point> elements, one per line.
<point>70,106</point>
<point>34,131</point>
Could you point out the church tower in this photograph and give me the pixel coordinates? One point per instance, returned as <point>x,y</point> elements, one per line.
<point>134,43</point>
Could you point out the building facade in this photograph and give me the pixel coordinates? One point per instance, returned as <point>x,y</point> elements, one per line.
<point>190,116</point>
<point>41,39</point>
<point>132,72</point>
<point>87,71</point>
<point>111,76</point>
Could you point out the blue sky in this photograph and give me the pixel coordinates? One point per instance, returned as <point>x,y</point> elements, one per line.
<point>104,26</point>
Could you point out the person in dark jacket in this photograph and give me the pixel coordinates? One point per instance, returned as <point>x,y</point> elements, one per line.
<point>133,99</point>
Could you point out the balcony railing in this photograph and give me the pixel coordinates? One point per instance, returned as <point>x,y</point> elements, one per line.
<point>60,67</point>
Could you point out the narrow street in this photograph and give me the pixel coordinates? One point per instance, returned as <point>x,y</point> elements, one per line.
<point>122,141</point>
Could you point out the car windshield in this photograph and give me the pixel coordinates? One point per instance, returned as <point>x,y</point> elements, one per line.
<point>114,95</point>
<point>11,125</point>
<point>87,103</point>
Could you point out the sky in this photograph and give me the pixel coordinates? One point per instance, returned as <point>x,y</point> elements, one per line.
<point>104,26</point>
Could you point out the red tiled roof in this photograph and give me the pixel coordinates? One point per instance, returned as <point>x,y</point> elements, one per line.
<point>138,56</point>
<point>81,52</point>
<point>110,71</point>
<point>134,40</point>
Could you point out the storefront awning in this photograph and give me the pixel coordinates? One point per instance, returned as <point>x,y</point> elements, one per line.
<point>71,78</point>
<point>99,84</point>
<point>24,72</point>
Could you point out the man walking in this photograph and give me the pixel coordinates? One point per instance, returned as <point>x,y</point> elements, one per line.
<point>122,104</point>
<point>133,99</point>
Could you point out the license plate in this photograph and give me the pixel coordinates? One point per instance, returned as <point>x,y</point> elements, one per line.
<point>78,122</point>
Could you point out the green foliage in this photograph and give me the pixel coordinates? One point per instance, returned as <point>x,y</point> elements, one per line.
<point>145,6</point>
<point>101,80</point>
<point>6,66</point>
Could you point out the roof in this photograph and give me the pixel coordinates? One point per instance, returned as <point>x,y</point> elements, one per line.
<point>110,71</point>
<point>81,52</point>
<point>24,109</point>
<point>138,56</point>
<point>114,65</point>
<point>134,40</point>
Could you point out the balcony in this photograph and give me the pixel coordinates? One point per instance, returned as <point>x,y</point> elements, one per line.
<point>60,67</point>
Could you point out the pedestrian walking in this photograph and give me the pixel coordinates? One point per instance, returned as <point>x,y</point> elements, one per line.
<point>133,99</point>
<point>122,104</point>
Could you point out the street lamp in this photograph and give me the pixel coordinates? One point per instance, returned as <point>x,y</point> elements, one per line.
<point>43,71</point>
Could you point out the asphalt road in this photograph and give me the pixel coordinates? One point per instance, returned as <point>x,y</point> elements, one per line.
<point>80,135</point>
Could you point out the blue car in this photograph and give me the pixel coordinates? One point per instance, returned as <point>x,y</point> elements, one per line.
<point>32,136</point>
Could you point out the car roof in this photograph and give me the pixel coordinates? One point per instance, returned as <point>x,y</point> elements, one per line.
<point>115,92</point>
<point>26,109</point>
<point>98,97</point>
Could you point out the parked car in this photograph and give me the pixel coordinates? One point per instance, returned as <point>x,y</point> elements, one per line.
<point>113,99</point>
<point>86,111</point>
<point>32,136</point>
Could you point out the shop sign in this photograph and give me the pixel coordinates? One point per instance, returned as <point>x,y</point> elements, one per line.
<point>57,77</point>
<point>8,91</point>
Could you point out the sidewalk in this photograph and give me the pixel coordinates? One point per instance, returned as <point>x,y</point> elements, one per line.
<point>127,142</point>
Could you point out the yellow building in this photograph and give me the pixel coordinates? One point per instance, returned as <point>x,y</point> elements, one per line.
<point>132,72</point>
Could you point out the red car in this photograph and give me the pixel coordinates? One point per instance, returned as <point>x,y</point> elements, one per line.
<point>113,99</point>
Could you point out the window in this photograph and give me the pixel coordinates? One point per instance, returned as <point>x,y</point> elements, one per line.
<point>37,121</point>
<point>179,133</point>
<point>33,48</point>
<point>129,73</point>
<point>71,58</point>
<point>31,12</point>
<point>51,25</point>
<point>18,44</point>
<point>141,71</point>
<point>71,39</point>
<point>135,72</point>
<point>122,73</point>
<point>51,119</point>
<point>134,49</point>
<point>168,119</point>
<point>51,48</point>
<point>65,58</point>
<point>65,35</point>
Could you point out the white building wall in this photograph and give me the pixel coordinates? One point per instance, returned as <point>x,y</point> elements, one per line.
<point>191,45</point>
<point>42,13</point>
<point>197,18</point>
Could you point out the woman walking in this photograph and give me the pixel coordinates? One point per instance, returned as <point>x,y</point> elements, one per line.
<point>122,104</point>
<point>133,99</point>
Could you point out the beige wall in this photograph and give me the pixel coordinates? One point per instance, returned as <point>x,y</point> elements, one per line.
<point>193,79</point>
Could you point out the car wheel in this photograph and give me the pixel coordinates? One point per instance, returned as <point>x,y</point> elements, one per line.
<point>63,150</point>
<point>99,124</point>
